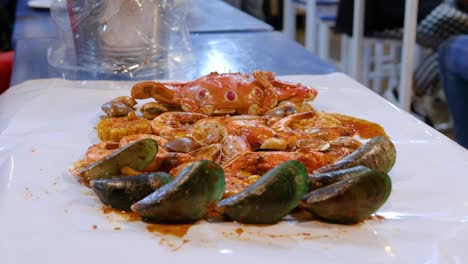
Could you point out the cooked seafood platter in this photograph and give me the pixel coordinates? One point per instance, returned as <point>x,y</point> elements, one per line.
<point>249,148</point>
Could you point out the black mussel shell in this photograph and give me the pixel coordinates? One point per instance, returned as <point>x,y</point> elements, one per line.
<point>270,198</point>
<point>378,153</point>
<point>121,192</point>
<point>319,180</point>
<point>137,155</point>
<point>349,201</point>
<point>188,197</point>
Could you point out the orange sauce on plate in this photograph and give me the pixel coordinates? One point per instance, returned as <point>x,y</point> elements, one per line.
<point>171,229</point>
<point>129,216</point>
<point>364,128</point>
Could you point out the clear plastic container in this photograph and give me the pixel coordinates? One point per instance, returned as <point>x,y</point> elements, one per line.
<point>136,38</point>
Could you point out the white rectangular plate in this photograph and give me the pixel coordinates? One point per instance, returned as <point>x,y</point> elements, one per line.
<point>47,217</point>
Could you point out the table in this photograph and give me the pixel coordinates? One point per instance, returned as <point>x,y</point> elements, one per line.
<point>204,17</point>
<point>45,125</point>
<point>233,52</point>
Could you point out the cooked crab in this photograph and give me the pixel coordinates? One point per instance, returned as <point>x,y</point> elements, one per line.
<point>227,93</point>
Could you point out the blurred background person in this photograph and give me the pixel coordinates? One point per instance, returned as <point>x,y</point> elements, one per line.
<point>453,65</point>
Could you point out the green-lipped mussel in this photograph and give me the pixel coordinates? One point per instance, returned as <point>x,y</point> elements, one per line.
<point>378,154</point>
<point>319,180</point>
<point>345,192</point>
<point>270,198</point>
<point>188,197</point>
<point>350,200</point>
<point>137,156</point>
<point>121,192</point>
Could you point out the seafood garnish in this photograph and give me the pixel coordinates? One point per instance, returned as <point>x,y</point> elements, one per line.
<point>188,197</point>
<point>121,192</point>
<point>378,153</point>
<point>137,156</point>
<point>120,106</point>
<point>270,198</point>
<point>250,148</point>
<point>228,93</point>
<point>352,200</point>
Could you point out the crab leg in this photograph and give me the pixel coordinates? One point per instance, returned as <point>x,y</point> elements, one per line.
<point>270,99</point>
<point>142,90</point>
<point>163,93</point>
<point>301,93</point>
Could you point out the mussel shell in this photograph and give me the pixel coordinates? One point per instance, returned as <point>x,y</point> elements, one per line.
<point>378,153</point>
<point>208,132</point>
<point>152,109</point>
<point>270,198</point>
<point>126,100</point>
<point>280,111</point>
<point>349,201</point>
<point>116,109</point>
<point>137,155</point>
<point>347,142</point>
<point>312,144</point>
<point>317,181</point>
<point>186,198</point>
<point>211,152</point>
<point>120,193</point>
<point>274,144</point>
<point>183,144</point>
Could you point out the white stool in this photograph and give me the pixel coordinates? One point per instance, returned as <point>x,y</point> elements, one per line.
<point>368,64</point>
<point>381,65</point>
<point>320,15</point>
<point>408,46</point>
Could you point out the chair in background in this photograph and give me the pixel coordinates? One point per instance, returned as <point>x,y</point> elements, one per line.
<point>373,55</point>
<point>380,54</point>
<point>320,16</point>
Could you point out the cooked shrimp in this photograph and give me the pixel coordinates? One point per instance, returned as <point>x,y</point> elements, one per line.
<point>239,170</point>
<point>252,128</point>
<point>212,153</point>
<point>133,138</point>
<point>209,131</point>
<point>312,124</point>
<point>100,151</point>
<point>341,147</point>
<point>234,145</point>
<point>171,125</point>
<point>291,123</point>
